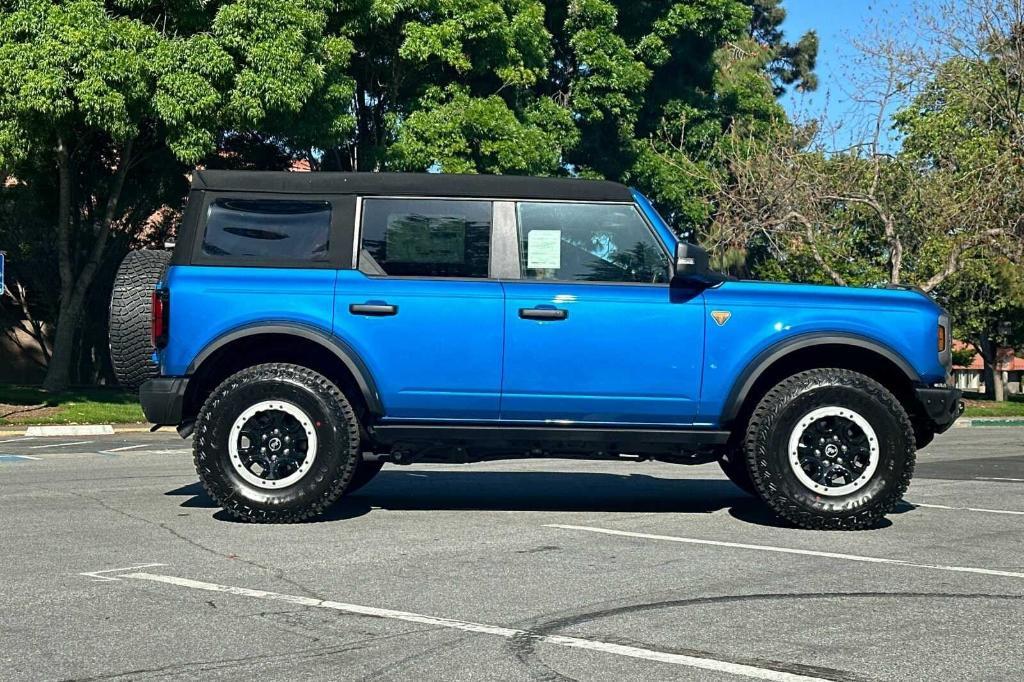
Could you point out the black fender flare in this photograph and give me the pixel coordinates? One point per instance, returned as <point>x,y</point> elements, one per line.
<point>756,368</point>
<point>337,346</point>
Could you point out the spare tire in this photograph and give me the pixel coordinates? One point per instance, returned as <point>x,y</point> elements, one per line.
<point>131,350</point>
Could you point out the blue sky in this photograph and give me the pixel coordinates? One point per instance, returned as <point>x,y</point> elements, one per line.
<point>836,22</point>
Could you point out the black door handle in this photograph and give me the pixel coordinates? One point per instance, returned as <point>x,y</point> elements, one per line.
<point>543,313</point>
<point>373,309</point>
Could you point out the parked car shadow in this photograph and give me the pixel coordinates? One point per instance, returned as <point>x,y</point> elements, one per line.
<point>424,490</point>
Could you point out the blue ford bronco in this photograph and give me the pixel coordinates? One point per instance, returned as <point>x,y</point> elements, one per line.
<point>310,327</point>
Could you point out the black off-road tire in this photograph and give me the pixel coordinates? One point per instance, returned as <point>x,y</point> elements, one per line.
<point>131,349</point>
<point>734,465</point>
<point>337,453</point>
<point>777,415</point>
<point>365,472</point>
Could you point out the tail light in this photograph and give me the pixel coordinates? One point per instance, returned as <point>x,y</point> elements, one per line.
<point>942,337</point>
<point>161,315</point>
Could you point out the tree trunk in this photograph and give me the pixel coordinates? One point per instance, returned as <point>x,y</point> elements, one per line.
<point>58,371</point>
<point>989,352</point>
<point>73,288</point>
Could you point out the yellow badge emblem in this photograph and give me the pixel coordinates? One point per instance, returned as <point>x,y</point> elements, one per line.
<point>720,316</point>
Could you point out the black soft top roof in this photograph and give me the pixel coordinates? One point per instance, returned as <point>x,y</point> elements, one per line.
<point>412,184</point>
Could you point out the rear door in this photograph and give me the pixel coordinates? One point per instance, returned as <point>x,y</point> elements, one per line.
<point>422,310</point>
<point>594,333</point>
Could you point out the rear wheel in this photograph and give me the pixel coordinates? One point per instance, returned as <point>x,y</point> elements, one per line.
<point>366,471</point>
<point>276,443</point>
<point>831,449</point>
<point>131,349</point>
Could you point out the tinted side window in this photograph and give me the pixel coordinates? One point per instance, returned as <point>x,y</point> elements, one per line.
<point>590,243</point>
<point>268,229</point>
<point>427,237</point>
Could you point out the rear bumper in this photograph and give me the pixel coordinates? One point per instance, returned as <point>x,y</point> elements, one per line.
<point>162,399</point>
<point>941,406</point>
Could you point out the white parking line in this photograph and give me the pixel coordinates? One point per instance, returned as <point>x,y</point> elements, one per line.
<point>993,478</point>
<point>508,633</point>
<point>98,575</point>
<point>57,445</point>
<point>789,550</point>
<point>970,509</point>
<point>18,440</point>
<point>14,457</point>
<point>126,447</point>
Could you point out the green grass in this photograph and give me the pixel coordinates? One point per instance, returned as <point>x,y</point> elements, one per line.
<point>1012,407</point>
<point>90,405</point>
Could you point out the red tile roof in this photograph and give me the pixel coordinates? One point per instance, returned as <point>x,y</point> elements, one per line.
<point>1006,360</point>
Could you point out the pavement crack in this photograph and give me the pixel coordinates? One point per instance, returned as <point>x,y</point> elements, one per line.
<point>524,648</point>
<point>276,573</point>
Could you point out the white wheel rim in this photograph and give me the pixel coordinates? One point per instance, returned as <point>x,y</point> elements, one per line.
<point>234,439</point>
<point>794,451</point>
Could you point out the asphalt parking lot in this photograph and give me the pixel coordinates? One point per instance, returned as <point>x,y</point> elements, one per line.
<point>115,564</point>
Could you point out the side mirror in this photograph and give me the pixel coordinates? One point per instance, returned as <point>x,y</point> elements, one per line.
<point>693,267</point>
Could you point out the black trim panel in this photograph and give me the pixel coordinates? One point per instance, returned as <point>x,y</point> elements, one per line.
<point>434,185</point>
<point>162,399</point>
<point>339,348</point>
<point>942,406</point>
<point>753,371</point>
<point>389,434</point>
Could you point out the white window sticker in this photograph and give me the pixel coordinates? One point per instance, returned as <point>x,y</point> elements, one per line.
<point>544,249</point>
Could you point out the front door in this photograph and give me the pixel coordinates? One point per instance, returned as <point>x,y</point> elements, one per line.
<point>421,310</point>
<point>594,333</point>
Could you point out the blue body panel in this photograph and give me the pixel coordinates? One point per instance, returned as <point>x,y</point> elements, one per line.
<point>766,314</point>
<point>626,354</point>
<point>207,302</point>
<point>439,357</point>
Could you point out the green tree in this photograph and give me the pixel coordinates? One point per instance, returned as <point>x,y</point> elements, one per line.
<point>964,132</point>
<point>987,297</point>
<point>102,104</point>
<point>634,91</point>
<point>789,64</point>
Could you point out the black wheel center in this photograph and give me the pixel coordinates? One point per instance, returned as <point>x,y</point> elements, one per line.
<point>834,451</point>
<point>272,444</point>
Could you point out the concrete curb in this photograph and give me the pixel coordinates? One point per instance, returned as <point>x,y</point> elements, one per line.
<point>70,430</point>
<point>964,422</point>
<point>75,430</point>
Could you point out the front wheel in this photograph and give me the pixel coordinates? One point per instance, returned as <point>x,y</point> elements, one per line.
<point>734,466</point>
<point>276,443</point>
<point>830,449</point>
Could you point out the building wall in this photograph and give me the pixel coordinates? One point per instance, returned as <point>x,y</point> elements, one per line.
<point>973,381</point>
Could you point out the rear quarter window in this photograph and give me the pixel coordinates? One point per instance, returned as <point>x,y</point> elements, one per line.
<point>270,230</point>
